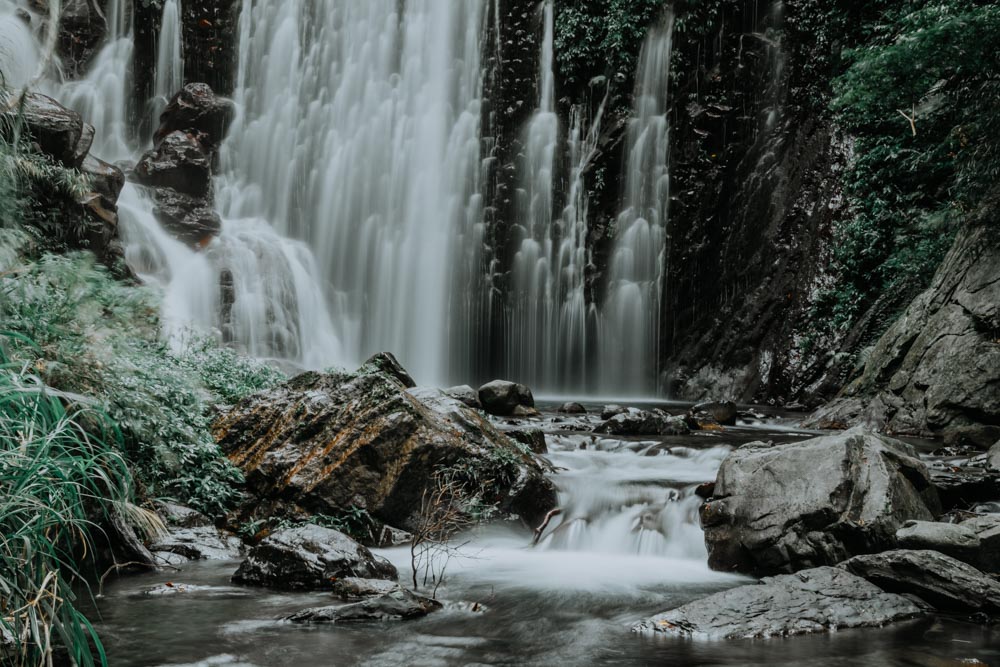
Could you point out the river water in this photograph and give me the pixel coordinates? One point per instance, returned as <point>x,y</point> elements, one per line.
<point>629,547</point>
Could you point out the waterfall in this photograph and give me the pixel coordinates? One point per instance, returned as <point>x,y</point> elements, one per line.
<point>631,317</point>
<point>359,135</point>
<point>169,76</point>
<point>19,56</point>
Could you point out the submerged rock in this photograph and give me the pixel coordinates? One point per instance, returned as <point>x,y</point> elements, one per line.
<point>787,507</point>
<point>309,558</point>
<point>941,581</point>
<point>397,605</point>
<point>507,399</point>
<point>815,600</point>
<point>324,442</point>
<point>643,422</point>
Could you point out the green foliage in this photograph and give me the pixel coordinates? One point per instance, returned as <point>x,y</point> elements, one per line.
<point>601,37</point>
<point>99,337</point>
<point>59,471</point>
<point>909,183</point>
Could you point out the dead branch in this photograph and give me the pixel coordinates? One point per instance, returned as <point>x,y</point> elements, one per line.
<point>545,524</point>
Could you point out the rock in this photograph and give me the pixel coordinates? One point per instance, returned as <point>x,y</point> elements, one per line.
<point>191,220</point>
<point>960,488</point>
<point>58,131</point>
<point>786,507</point>
<point>180,516</point>
<point>326,442</point>
<point>309,558</point>
<point>950,539</point>
<point>534,438</point>
<point>81,31</point>
<point>705,490</point>
<point>987,528</point>
<point>198,110</point>
<point>392,537</point>
<point>942,581</point>
<point>993,458</point>
<point>612,410</point>
<point>466,395</point>
<point>724,412</point>
<point>215,592</point>
<point>387,363</point>
<point>352,588</point>
<point>573,408</point>
<point>397,605</point>
<point>643,422</point>
<point>107,179</point>
<point>197,543</point>
<point>502,398</point>
<point>816,600</point>
<point>178,162</point>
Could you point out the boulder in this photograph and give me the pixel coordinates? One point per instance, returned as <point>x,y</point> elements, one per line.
<point>941,581</point>
<point>353,588</point>
<point>81,31</point>
<point>986,527</point>
<point>106,179</point>
<point>572,408</point>
<point>532,438</point>
<point>505,399</point>
<point>178,162</point>
<point>191,220</point>
<point>198,110</point>
<point>465,394</point>
<point>723,412</point>
<point>960,487</point>
<point>398,605</point>
<point>324,442</point>
<point>196,543</point>
<point>58,131</point>
<point>609,411</point>
<point>993,458</point>
<point>643,422</point>
<point>787,507</point>
<point>950,539</point>
<point>181,516</point>
<point>309,558</point>
<point>816,600</point>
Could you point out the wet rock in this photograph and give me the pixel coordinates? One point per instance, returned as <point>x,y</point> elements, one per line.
<point>787,507</point>
<point>191,220</point>
<point>324,442</point>
<point>178,162</point>
<point>58,131</point>
<point>392,537</point>
<point>705,491</point>
<point>952,540</point>
<point>986,527</point>
<point>197,109</point>
<point>466,395</point>
<point>816,600</point>
<point>572,408</point>
<point>309,558</point>
<point>81,31</point>
<point>399,605</point>
<point>612,410</point>
<point>387,363</point>
<point>181,516</point>
<point>175,588</point>
<point>993,458</point>
<point>505,399</point>
<point>942,581</point>
<point>107,180</point>
<point>723,412</point>
<point>963,487</point>
<point>352,588</point>
<point>643,422</point>
<point>197,543</point>
<point>534,438</point>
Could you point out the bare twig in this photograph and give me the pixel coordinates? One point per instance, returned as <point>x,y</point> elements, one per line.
<point>545,524</point>
<point>912,118</point>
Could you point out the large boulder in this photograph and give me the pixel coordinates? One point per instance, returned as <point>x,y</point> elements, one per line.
<point>941,581</point>
<point>986,527</point>
<point>58,131</point>
<point>506,399</point>
<point>953,540</point>
<point>309,558</point>
<point>198,110</point>
<point>787,507</point>
<point>325,443</point>
<point>816,600</point>
<point>643,422</point>
<point>106,179</point>
<point>178,162</point>
<point>397,605</point>
<point>191,220</point>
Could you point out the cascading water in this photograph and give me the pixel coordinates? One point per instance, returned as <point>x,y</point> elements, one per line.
<point>169,75</point>
<point>631,315</point>
<point>359,135</point>
<point>19,56</point>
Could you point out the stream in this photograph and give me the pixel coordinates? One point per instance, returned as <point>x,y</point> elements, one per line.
<point>628,546</point>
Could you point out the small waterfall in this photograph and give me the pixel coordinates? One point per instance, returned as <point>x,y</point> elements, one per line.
<point>169,77</point>
<point>19,56</point>
<point>630,334</point>
<point>372,111</point>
